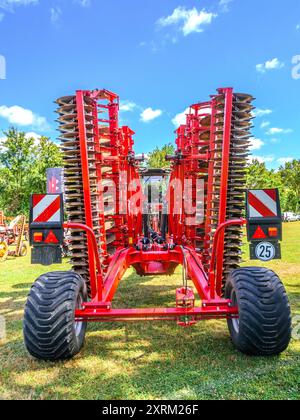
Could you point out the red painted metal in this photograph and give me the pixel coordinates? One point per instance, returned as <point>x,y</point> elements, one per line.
<point>187,244</point>
<point>86,185</point>
<point>224,311</point>
<point>94,256</point>
<point>228,93</point>
<point>216,258</point>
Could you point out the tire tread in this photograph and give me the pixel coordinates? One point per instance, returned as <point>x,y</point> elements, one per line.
<point>265,315</point>
<point>49,316</point>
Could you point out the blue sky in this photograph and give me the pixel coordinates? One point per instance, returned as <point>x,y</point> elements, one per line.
<point>160,57</point>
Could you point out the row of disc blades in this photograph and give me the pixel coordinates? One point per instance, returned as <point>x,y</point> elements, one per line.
<point>239,152</point>
<point>74,194</point>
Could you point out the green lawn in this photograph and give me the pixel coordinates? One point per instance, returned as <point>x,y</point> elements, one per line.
<point>148,360</point>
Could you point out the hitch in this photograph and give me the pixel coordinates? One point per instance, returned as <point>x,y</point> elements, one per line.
<point>185,298</point>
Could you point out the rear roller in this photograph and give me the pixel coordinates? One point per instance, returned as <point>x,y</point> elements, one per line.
<point>50,330</point>
<point>264,325</point>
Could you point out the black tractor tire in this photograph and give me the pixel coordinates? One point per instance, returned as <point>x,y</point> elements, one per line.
<point>264,326</point>
<point>50,330</point>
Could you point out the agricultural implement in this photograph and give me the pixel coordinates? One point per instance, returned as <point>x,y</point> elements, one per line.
<point>197,224</point>
<point>12,235</point>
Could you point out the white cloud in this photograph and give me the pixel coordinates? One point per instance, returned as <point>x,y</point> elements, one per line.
<point>33,135</point>
<point>224,4</point>
<point>256,144</point>
<point>9,5</point>
<point>269,65</point>
<point>23,117</point>
<point>180,119</point>
<point>298,27</point>
<point>188,20</point>
<point>83,3</point>
<point>262,159</point>
<point>258,112</point>
<point>265,124</point>
<point>285,160</point>
<point>55,14</point>
<point>150,114</point>
<point>274,130</point>
<point>127,106</point>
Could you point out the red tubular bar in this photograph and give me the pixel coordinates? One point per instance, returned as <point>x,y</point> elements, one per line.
<point>100,308</point>
<point>197,274</point>
<point>93,255</point>
<point>209,195</point>
<point>105,315</point>
<point>214,257</point>
<point>103,245</point>
<point>86,186</point>
<point>228,92</point>
<point>118,267</point>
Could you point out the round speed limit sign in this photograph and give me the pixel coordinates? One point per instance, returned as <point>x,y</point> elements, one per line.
<point>265,251</point>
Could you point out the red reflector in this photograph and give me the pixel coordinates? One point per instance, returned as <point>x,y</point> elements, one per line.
<point>38,237</point>
<point>273,232</point>
<point>259,234</point>
<point>51,239</point>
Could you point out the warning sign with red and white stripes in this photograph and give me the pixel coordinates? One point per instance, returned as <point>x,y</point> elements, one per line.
<point>47,208</point>
<point>263,203</point>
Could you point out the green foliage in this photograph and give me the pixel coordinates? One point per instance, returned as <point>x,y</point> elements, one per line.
<point>258,176</point>
<point>145,360</point>
<point>157,159</point>
<point>286,179</point>
<point>290,177</point>
<point>23,164</point>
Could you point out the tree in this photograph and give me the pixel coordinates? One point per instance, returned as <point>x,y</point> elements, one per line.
<point>16,161</point>
<point>48,156</point>
<point>286,179</point>
<point>23,163</point>
<point>157,158</point>
<point>290,177</point>
<point>258,176</point>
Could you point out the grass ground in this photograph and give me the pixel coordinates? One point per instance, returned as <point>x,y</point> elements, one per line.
<point>151,360</point>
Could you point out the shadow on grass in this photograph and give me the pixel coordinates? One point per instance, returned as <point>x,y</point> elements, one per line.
<point>145,360</point>
<point>20,286</point>
<point>159,361</point>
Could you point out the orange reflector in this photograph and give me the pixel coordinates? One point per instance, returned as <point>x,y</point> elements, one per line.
<point>38,237</point>
<point>259,234</point>
<point>273,232</point>
<point>51,239</point>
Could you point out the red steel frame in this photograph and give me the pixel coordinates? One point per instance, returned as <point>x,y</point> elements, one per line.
<point>100,308</point>
<point>157,260</point>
